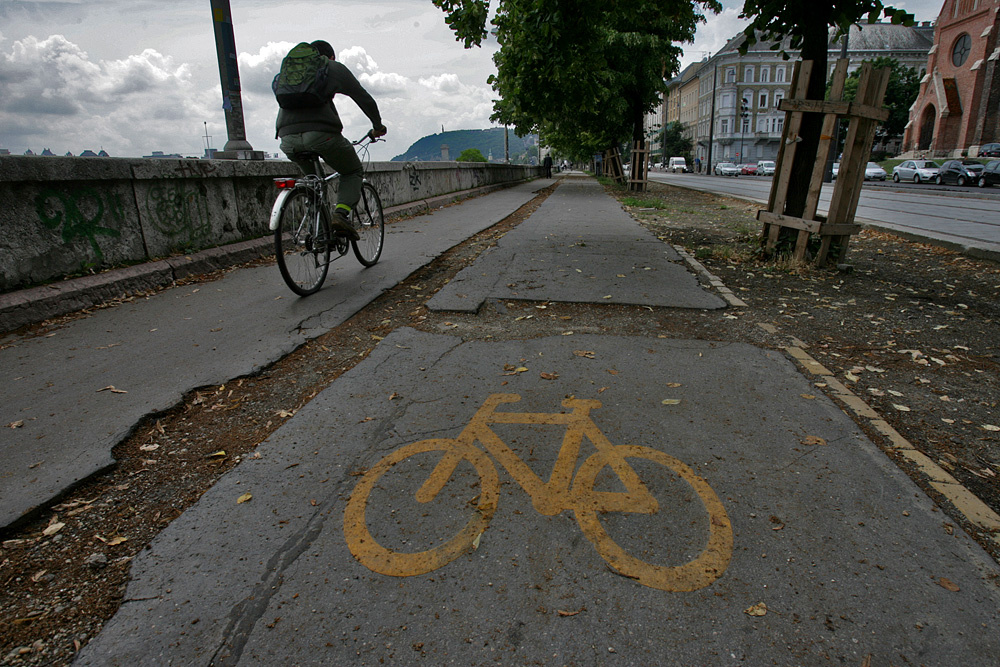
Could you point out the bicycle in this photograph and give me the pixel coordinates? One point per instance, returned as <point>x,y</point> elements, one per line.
<point>562,492</point>
<point>303,237</point>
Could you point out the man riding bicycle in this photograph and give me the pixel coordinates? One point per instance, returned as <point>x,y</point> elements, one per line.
<point>318,129</point>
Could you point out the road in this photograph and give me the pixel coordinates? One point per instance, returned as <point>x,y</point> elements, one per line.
<point>963,217</point>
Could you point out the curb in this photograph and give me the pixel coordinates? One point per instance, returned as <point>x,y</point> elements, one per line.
<point>37,304</point>
<point>967,504</point>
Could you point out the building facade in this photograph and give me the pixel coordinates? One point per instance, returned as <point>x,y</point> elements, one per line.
<point>736,116</point>
<point>958,108</point>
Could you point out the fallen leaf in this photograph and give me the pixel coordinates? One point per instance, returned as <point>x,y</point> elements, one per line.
<point>116,541</point>
<point>568,613</point>
<point>758,609</point>
<point>673,384</point>
<point>813,440</point>
<point>948,584</point>
<point>548,376</point>
<point>112,389</point>
<point>53,528</point>
<point>221,454</point>
<point>851,376</point>
<point>991,427</point>
<point>901,408</point>
<point>149,448</point>
<point>18,424</point>
<point>37,576</point>
<point>808,397</point>
<point>286,413</point>
<point>475,542</point>
<point>587,354</point>
<point>671,401</point>
<point>244,498</point>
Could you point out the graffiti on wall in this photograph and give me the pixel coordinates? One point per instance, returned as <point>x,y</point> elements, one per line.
<point>82,213</point>
<point>179,211</point>
<point>413,175</point>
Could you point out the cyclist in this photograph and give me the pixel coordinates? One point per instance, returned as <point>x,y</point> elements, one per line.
<point>318,129</point>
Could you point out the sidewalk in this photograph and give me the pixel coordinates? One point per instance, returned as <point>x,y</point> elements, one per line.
<point>155,349</point>
<point>778,533</point>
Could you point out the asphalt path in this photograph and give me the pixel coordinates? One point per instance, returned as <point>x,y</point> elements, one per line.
<point>572,499</point>
<point>79,390</point>
<point>965,217</point>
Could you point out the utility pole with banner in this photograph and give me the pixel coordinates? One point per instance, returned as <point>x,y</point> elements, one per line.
<point>237,147</point>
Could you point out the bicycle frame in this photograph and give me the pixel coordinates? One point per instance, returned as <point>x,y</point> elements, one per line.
<point>552,497</point>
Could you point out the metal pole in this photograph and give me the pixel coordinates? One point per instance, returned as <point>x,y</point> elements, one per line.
<point>711,123</point>
<point>229,74</point>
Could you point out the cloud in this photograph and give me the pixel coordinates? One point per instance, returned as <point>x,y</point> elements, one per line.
<point>79,103</point>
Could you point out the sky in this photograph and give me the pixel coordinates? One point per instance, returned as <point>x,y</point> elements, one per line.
<point>137,76</point>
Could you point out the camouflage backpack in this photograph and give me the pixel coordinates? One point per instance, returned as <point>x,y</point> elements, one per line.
<point>299,84</point>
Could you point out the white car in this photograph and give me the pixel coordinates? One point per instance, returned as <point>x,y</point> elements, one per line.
<point>765,168</point>
<point>917,171</point>
<point>727,169</point>
<point>873,172</point>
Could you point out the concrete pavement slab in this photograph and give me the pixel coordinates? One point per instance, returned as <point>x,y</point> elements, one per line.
<point>809,545</point>
<point>580,247</point>
<point>56,388</point>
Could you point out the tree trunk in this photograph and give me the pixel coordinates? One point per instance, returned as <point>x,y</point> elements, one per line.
<point>814,47</point>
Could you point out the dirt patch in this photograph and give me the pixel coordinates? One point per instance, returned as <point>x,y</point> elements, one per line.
<point>912,326</point>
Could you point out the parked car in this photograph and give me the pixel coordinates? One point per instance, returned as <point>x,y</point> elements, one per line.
<point>765,168</point>
<point>677,164</point>
<point>959,172</point>
<point>748,169</point>
<point>990,175</point>
<point>917,171</point>
<point>873,172</point>
<point>989,150</point>
<point>835,170</point>
<point>727,169</point>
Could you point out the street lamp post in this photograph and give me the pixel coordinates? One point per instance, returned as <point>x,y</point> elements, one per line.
<point>232,102</point>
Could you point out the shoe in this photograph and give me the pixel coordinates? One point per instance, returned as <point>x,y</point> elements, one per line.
<point>343,227</point>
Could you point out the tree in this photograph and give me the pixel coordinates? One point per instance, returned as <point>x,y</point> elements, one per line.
<point>472,155</point>
<point>582,73</point>
<point>902,91</point>
<point>807,24</point>
<point>674,143</point>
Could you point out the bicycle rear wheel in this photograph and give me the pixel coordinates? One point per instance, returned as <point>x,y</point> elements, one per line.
<point>303,259</point>
<point>369,222</point>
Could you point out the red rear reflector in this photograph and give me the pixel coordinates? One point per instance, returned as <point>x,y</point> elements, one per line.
<point>284,183</point>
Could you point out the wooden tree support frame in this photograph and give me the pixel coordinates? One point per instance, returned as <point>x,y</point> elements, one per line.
<point>864,115</point>
<point>638,176</point>
<point>613,165</point>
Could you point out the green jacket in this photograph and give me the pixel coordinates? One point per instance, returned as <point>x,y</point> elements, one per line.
<point>325,118</point>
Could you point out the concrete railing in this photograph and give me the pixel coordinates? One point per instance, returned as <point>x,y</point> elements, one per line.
<point>61,216</point>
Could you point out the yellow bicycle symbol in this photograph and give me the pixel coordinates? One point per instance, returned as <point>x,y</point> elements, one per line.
<point>561,492</point>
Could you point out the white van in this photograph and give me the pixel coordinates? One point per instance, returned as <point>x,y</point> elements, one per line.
<point>765,168</point>
<point>677,164</point>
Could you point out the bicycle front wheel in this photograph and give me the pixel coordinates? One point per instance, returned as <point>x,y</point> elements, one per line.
<point>301,244</point>
<point>678,544</point>
<point>416,510</point>
<point>370,223</point>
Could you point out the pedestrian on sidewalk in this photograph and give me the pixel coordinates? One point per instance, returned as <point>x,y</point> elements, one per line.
<point>547,163</point>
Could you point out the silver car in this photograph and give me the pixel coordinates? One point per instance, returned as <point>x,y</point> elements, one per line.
<point>873,172</point>
<point>727,169</point>
<point>917,171</point>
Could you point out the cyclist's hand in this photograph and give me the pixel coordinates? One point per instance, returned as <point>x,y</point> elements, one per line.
<point>377,132</point>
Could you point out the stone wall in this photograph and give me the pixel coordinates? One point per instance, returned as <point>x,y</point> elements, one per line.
<point>65,215</point>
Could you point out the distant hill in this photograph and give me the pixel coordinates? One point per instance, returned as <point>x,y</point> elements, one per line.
<point>487,141</point>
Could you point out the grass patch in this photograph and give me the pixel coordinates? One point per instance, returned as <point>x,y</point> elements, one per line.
<point>643,203</point>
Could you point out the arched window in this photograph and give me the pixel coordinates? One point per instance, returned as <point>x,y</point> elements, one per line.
<point>765,75</point>
<point>779,74</point>
<point>748,74</point>
<point>731,75</point>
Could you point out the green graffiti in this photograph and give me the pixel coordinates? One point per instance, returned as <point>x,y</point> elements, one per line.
<point>179,210</point>
<point>80,214</point>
